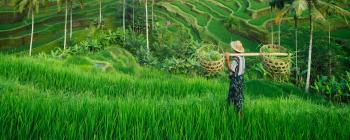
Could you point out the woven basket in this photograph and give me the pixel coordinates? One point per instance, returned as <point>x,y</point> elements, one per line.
<point>212,66</point>
<point>208,65</point>
<point>276,65</point>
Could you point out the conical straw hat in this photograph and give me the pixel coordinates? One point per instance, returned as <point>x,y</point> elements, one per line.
<point>237,46</point>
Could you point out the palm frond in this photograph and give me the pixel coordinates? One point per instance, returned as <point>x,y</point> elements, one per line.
<point>299,6</point>
<point>334,9</point>
<point>280,14</point>
<point>316,14</point>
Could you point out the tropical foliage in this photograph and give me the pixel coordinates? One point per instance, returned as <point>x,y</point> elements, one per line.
<point>129,69</point>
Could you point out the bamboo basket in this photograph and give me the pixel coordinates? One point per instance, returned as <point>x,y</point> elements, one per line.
<point>209,65</point>
<point>277,66</point>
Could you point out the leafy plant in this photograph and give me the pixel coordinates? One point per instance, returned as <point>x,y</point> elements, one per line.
<point>97,40</point>
<point>335,88</point>
<point>209,52</point>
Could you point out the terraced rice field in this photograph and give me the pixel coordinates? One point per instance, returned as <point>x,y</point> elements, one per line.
<point>49,24</point>
<point>208,18</point>
<point>204,20</point>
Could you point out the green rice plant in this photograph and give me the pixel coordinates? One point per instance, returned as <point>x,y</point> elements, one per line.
<point>201,19</point>
<point>71,78</point>
<point>34,113</point>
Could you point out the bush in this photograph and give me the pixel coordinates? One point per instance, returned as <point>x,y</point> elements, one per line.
<point>335,88</point>
<point>169,51</point>
<point>97,40</point>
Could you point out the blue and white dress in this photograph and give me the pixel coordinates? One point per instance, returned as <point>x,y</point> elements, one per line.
<point>236,71</point>
<point>237,66</point>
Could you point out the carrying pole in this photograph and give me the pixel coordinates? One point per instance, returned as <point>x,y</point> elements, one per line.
<point>259,54</point>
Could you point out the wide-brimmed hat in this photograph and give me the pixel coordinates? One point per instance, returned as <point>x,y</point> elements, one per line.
<point>237,46</point>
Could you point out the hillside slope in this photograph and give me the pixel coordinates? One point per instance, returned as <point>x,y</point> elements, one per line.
<point>15,28</point>
<point>218,21</point>
<point>80,97</point>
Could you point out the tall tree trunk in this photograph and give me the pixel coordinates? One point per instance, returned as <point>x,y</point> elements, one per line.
<point>307,86</point>
<point>100,20</point>
<point>147,39</point>
<point>329,50</point>
<point>272,34</point>
<point>32,34</point>
<point>329,35</point>
<point>133,15</point>
<point>296,49</point>
<point>152,15</point>
<point>71,20</point>
<point>279,33</point>
<point>65,27</point>
<point>124,18</point>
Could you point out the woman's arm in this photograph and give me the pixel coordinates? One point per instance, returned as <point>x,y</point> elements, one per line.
<point>228,63</point>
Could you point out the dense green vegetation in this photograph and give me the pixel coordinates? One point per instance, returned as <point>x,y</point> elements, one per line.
<point>123,76</point>
<point>72,101</point>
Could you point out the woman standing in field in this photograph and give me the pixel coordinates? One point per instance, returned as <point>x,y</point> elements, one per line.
<point>236,68</point>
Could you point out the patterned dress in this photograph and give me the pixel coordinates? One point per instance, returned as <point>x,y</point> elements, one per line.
<point>235,94</point>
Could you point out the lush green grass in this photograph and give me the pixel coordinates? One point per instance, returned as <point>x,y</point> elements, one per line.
<point>49,98</point>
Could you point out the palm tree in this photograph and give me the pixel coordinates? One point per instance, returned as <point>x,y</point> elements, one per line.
<point>124,9</point>
<point>272,32</point>
<point>32,7</point>
<point>100,19</point>
<point>153,14</point>
<point>279,4</point>
<point>65,20</point>
<point>133,15</point>
<point>71,15</point>
<point>65,25</point>
<point>295,7</point>
<point>329,8</point>
<point>147,39</point>
<point>314,7</point>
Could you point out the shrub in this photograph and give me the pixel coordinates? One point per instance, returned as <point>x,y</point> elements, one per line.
<point>335,88</point>
<point>97,40</point>
<point>171,51</point>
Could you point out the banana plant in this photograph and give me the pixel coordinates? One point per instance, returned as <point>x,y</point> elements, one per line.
<point>147,26</point>
<point>59,3</point>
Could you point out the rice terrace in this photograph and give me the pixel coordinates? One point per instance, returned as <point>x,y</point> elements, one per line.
<point>175,69</point>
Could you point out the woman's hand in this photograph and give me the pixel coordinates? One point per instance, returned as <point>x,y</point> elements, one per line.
<point>227,56</point>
